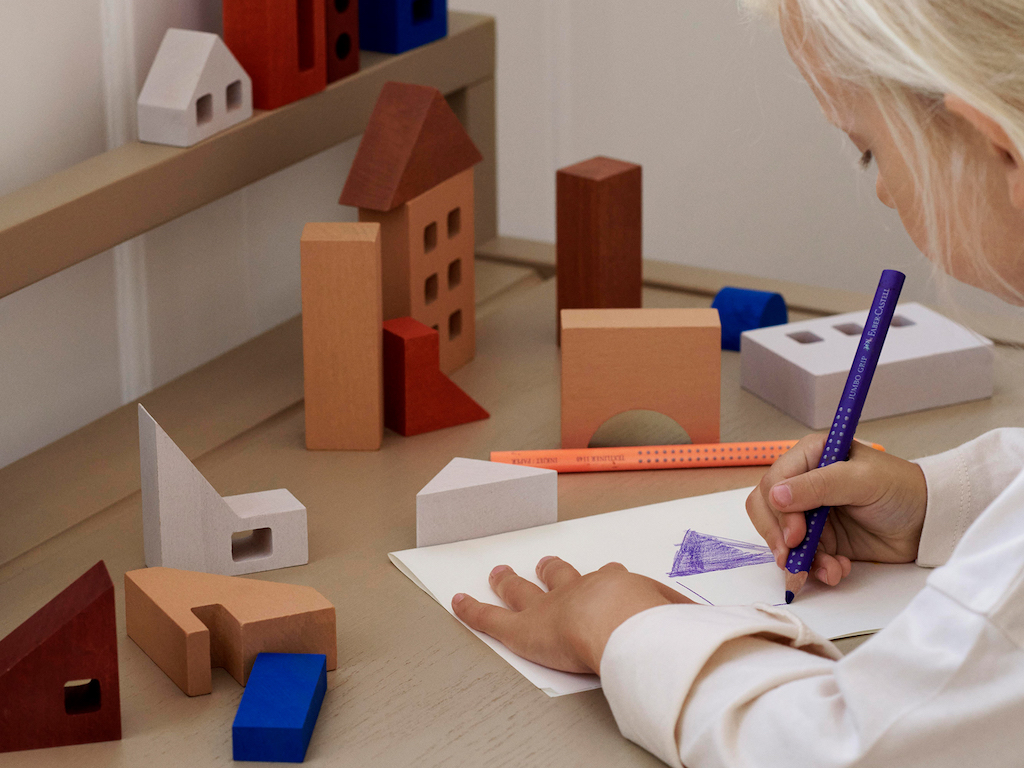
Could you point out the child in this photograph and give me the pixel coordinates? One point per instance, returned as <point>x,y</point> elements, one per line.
<point>933,90</point>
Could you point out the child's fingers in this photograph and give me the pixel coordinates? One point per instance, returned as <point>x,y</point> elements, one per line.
<point>830,569</point>
<point>483,617</point>
<point>555,572</point>
<point>514,590</point>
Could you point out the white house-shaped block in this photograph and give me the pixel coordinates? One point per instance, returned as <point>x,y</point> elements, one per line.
<point>469,499</point>
<point>194,89</point>
<point>927,361</point>
<point>187,525</point>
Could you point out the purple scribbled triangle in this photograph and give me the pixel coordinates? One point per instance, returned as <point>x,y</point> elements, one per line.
<point>703,553</point>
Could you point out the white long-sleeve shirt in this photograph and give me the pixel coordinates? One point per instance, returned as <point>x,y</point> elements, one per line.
<point>943,685</point>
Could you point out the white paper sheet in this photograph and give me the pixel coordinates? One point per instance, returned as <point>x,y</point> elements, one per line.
<point>646,540</point>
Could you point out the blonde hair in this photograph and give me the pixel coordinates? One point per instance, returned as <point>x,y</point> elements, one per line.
<point>909,54</point>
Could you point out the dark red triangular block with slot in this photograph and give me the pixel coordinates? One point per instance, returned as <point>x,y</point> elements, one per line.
<point>58,670</point>
<point>419,398</point>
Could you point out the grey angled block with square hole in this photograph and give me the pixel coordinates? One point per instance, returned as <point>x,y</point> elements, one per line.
<point>187,525</point>
<point>928,361</point>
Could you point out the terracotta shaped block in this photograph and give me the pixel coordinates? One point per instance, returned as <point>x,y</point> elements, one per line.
<point>188,622</point>
<point>928,361</point>
<point>186,523</point>
<point>282,45</point>
<point>662,360</point>
<point>469,499</point>
<point>342,34</point>
<point>599,234</point>
<point>396,26</point>
<point>341,336</point>
<point>413,174</point>
<point>194,89</point>
<point>58,670</point>
<point>419,398</point>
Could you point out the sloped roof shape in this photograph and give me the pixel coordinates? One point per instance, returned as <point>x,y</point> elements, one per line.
<point>184,56</point>
<point>412,143</point>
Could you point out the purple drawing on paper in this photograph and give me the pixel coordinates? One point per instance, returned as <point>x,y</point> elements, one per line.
<point>704,553</point>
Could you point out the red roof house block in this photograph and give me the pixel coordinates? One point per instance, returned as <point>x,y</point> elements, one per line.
<point>413,174</point>
<point>58,670</point>
<point>282,45</point>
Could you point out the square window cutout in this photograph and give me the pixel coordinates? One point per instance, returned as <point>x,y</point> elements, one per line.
<point>850,329</point>
<point>899,321</point>
<point>234,95</point>
<point>804,337</point>
<point>250,545</point>
<point>455,324</point>
<point>454,274</point>
<point>454,222</point>
<point>430,237</point>
<point>430,289</point>
<point>204,109</point>
<point>82,696</point>
<point>422,10</point>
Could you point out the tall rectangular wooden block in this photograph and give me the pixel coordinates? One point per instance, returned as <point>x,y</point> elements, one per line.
<point>599,234</point>
<point>282,45</point>
<point>342,30</point>
<point>342,336</point>
<point>664,360</point>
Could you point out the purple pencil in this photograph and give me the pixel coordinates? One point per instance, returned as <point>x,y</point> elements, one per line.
<point>847,415</point>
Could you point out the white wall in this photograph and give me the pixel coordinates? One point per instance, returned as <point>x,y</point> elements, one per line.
<point>740,172</point>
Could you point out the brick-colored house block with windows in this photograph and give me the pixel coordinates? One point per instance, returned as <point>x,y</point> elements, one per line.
<point>413,174</point>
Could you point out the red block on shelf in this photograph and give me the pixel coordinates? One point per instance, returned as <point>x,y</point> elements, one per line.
<point>58,670</point>
<point>342,38</point>
<point>419,398</point>
<point>281,44</point>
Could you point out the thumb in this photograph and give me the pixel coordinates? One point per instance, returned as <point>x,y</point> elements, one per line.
<point>832,486</point>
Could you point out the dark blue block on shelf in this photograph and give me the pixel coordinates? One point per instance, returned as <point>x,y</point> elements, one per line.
<point>742,310</point>
<point>279,708</point>
<point>397,26</point>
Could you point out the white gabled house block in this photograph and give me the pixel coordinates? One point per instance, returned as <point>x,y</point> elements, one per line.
<point>469,499</point>
<point>187,525</point>
<point>927,361</point>
<point>195,88</point>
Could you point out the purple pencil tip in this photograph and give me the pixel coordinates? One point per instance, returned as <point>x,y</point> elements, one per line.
<point>789,597</point>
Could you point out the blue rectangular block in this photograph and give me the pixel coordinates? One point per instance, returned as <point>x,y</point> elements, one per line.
<point>396,26</point>
<point>279,708</point>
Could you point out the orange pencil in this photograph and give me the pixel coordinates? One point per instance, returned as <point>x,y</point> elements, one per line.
<point>652,456</point>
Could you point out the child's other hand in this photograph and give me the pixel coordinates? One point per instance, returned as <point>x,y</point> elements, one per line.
<point>568,626</point>
<point>878,503</point>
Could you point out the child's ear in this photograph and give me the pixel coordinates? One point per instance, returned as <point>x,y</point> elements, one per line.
<point>1000,143</point>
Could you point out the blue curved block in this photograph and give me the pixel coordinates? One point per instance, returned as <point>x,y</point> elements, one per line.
<point>742,310</point>
<point>396,26</point>
<point>279,708</point>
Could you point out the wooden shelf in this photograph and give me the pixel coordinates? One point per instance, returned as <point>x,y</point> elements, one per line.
<point>91,207</point>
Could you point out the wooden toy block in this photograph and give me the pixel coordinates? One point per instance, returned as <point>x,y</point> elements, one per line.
<point>599,234</point>
<point>186,524</point>
<point>396,26</point>
<point>282,45</point>
<point>469,499</point>
<point>927,361</point>
<point>341,336</point>
<point>741,309</point>
<point>279,707</point>
<point>662,360</point>
<point>419,398</point>
<point>413,174</point>
<point>194,89</point>
<point>188,622</point>
<point>342,35</point>
<point>58,670</point>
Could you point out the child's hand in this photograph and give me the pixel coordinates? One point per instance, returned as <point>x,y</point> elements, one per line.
<point>568,626</point>
<point>878,504</point>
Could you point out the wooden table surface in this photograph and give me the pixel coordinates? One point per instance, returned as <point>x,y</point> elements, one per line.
<point>413,687</point>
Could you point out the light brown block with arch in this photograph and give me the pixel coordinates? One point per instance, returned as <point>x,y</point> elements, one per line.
<point>618,360</point>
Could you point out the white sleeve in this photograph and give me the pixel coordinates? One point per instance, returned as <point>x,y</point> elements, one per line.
<point>961,483</point>
<point>942,686</point>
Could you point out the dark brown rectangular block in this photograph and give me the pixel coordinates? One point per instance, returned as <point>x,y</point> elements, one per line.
<point>600,236</point>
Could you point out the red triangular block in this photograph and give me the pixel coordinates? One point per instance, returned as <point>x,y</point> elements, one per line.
<point>58,670</point>
<point>419,398</point>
